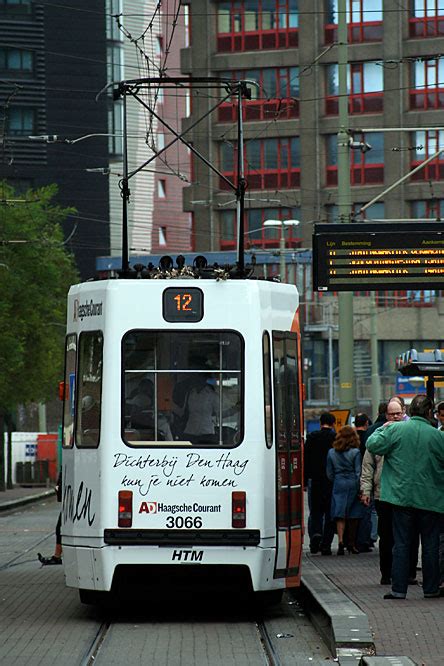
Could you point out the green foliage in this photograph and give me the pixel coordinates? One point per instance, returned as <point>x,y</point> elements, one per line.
<point>36,272</point>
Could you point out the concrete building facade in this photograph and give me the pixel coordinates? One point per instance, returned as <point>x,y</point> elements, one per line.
<point>395,84</point>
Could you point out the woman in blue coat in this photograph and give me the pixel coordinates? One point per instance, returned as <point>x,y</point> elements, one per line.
<point>344,470</point>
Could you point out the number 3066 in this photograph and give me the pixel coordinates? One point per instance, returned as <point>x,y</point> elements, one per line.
<point>179,522</point>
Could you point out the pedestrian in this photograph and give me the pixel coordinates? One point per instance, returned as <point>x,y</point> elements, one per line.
<point>364,541</point>
<point>440,415</point>
<point>412,480</point>
<point>344,470</point>
<point>317,445</point>
<point>379,421</point>
<point>57,557</point>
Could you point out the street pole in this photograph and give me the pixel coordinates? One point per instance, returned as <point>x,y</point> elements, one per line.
<point>282,254</point>
<point>345,333</point>
<point>376,386</point>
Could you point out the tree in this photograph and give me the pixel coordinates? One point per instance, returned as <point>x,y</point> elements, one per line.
<point>36,271</point>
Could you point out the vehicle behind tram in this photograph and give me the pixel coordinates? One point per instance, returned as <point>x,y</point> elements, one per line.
<point>182,434</point>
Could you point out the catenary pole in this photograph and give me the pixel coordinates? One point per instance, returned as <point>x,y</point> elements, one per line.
<point>345,334</point>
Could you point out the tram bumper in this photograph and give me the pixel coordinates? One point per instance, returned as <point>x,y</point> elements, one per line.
<point>95,568</point>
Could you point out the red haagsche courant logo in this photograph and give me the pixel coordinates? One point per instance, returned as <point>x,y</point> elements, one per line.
<point>148,507</point>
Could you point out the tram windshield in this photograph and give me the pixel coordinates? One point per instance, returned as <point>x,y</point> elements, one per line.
<point>182,388</point>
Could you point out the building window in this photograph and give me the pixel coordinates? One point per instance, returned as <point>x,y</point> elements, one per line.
<point>114,63</point>
<point>427,19</point>
<point>21,121</point>
<point>268,163</point>
<point>16,60</point>
<point>16,7</point>
<point>375,212</point>
<point>113,8</point>
<point>162,236</point>
<point>428,84</point>
<point>424,145</point>
<point>364,19</point>
<point>430,209</point>
<point>255,234</point>
<point>276,96</point>
<point>187,25</point>
<point>115,126</point>
<point>364,86</point>
<point>159,45</point>
<point>161,188</point>
<point>249,25</point>
<point>365,168</point>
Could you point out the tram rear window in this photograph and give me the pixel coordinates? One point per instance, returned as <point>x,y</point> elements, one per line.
<point>182,388</point>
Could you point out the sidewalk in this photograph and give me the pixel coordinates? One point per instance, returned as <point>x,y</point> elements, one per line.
<point>413,627</point>
<point>19,495</point>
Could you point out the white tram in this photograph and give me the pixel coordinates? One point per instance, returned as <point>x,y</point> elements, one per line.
<point>182,433</point>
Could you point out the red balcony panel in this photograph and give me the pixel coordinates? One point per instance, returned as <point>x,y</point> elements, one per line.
<point>357,32</point>
<point>224,44</point>
<point>271,180</point>
<point>223,185</point>
<point>252,111</point>
<point>373,102</point>
<point>270,109</point>
<point>357,177</point>
<point>283,180</point>
<point>295,179</point>
<point>430,26</point>
<point>331,106</point>
<point>374,174</point>
<point>332,176</point>
<point>330,33</point>
<point>293,110</point>
<point>226,113</point>
<point>417,100</point>
<point>355,104</point>
<point>269,40</point>
<point>293,38</point>
<point>372,32</point>
<point>254,181</point>
<point>252,42</point>
<point>238,43</point>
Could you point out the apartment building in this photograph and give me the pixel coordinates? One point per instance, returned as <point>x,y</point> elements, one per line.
<point>52,65</point>
<point>395,84</point>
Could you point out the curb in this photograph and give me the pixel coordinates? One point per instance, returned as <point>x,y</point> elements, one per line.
<point>341,623</point>
<point>28,499</point>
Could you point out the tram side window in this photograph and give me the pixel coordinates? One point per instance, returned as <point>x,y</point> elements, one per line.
<point>268,416</point>
<point>89,391</point>
<point>182,388</point>
<point>69,391</point>
<point>286,386</point>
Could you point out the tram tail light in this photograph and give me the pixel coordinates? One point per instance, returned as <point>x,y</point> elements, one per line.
<point>239,509</point>
<point>125,508</point>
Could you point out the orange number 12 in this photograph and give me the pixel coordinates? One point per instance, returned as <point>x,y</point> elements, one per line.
<point>183,301</point>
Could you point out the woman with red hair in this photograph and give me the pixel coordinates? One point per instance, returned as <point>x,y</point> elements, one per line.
<point>344,470</point>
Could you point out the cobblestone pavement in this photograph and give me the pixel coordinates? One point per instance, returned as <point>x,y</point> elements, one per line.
<point>413,627</point>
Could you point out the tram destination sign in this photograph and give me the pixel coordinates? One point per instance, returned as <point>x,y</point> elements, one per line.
<point>378,256</point>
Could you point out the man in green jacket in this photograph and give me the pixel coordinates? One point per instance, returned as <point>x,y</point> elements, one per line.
<point>412,480</point>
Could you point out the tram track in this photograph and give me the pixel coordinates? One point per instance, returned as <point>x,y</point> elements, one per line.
<point>275,637</point>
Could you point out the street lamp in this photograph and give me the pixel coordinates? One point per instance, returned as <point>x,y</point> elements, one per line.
<point>282,224</point>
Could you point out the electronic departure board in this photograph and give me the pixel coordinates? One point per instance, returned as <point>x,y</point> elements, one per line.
<point>378,256</point>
